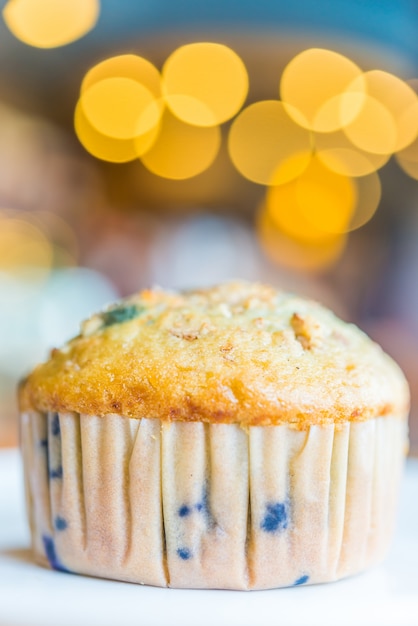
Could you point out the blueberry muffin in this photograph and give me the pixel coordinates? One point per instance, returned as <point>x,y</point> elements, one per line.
<point>237,437</point>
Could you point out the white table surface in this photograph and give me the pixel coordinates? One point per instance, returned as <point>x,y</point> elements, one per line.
<point>33,596</point>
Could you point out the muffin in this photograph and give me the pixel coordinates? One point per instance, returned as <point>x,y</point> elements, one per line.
<point>237,437</point>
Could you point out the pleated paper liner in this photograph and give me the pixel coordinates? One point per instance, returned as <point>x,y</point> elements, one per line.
<point>199,505</point>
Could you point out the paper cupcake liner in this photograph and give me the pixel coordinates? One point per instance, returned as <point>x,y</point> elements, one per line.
<point>210,505</point>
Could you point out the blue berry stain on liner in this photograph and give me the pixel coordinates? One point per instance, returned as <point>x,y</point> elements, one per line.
<point>56,473</point>
<point>184,553</point>
<point>60,523</point>
<point>301,581</point>
<point>184,510</point>
<point>203,507</point>
<point>51,554</point>
<point>55,425</point>
<point>276,517</point>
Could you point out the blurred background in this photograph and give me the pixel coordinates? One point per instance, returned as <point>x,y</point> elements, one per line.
<point>181,144</point>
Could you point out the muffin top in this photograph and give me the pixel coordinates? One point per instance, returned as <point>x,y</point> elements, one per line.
<point>235,353</point>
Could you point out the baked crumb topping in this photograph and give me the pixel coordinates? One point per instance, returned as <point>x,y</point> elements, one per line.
<point>236,353</point>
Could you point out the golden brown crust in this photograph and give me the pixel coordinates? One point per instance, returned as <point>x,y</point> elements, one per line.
<point>238,353</point>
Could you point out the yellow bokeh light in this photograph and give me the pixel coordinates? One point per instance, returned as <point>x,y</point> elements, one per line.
<point>50,23</point>
<point>398,98</point>
<point>120,107</point>
<point>408,159</point>
<point>309,209</point>
<point>125,66</point>
<point>23,246</point>
<point>337,152</point>
<point>339,111</point>
<point>211,73</point>
<point>327,200</point>
<point>283,207</point>
<point>373,130</point>
<point>182,150</point>
<point>108,148</point>
<point>192,110</point>
<point>409,167</point>
<point>267,146</point>
<point>311,256</point>
<point>316,84</point>
<point>413,84</point>
<point>369,192</point>
<point>320,203</point>
<point>410,153</point>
